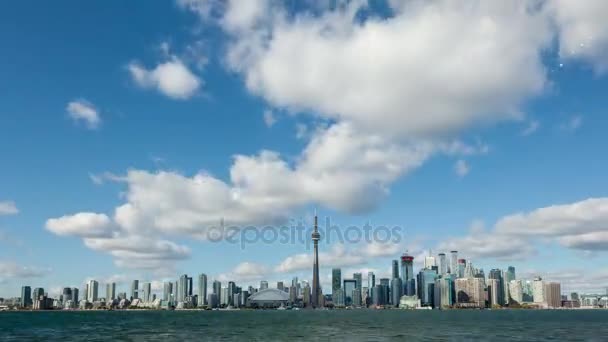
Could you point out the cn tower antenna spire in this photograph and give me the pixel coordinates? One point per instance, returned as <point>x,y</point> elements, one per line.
<point>316,287</point>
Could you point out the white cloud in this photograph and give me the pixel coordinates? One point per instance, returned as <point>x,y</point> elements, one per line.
<point>82,224</point>
<point>409,74</point>
<point>13,270</point>
<point>8,208</point>
<point>583,31</point>
<point>532,127</point>
<point>380,249</point>
<point>269,118</point>
<point>338,256</point>
<point>172,78</point>
<point>82,110</point>
<point>461,167</point>
<point>246,272</point>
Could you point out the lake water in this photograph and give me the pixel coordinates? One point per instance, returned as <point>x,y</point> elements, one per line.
<point>352,325</point>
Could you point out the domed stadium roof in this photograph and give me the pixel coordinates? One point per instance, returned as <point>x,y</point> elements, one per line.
<point>269,295</point>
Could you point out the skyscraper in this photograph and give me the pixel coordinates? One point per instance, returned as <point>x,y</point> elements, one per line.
<point>553,295</point>
<point>395,269</point>
<point>336,280</point>
<point>407,274</point>
<point>182,289</point>
<point>499,292</point>
<point>316,287</point>
<point>93,289</point>
<point>67,294</point>
<point>508,276</point>
<point>167,290</point>
<point>442,264</point>
<point>134,288</point>
<point>147,289</point>
<point>358,287</point>
<point>202,289</point>
<point>75,295</point>
<point>349,286</point>
<point>454,262</point>
<point>110,291</point>
<point>396,289</point>
<point>26,297</point>
<point>217,288</point>
<point>263,285</point>
<point>426,286</point>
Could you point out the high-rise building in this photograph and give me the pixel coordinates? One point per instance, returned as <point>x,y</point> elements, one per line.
<point>202,289</point>
<point>395,269</point>
<point>336,279</point>
<point>516,291</point>
<point>442,264</point>
<point>75,295</point>
<point>349,286</point>
<point>429,261</point>
<point>396,290</point>
<point>359,287</point>
<point>508,276</point>
<point>231,292</point>
<point>182,288</point>
<point>190,285</point>
<point>386,289</point>
<point>217,288</point>
<point>110,292</point>
<point>263,285</point>
<point>407,275</point>
<point>67,294</point>
<point>167,291</point>
<point>134,289</point>
<point>338,297</point>
<point>470,292</point>
<point>93,290</point>
<point>306,300</point>
<point>494,290</point>
<point>26,297</point>
<point>147,293</point>
<point>553,295</point>
<point>316,286</point>
<point>538,290</point>
<point>454,262</point>
<point>371,282</point>
<point>499,292</point>
<point>461,266</point>
<point>426,286</point>
<point>280,286</point>
<point>446,291</point>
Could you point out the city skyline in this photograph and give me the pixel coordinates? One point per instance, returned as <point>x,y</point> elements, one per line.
<point>129,134</point>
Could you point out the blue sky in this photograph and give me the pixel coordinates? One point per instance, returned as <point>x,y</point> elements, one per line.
<point>448,132</point>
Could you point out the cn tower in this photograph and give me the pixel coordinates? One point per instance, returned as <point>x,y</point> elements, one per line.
<point>316,289</point>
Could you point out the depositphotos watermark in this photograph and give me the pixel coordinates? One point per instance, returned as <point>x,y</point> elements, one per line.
<point>300,234</point>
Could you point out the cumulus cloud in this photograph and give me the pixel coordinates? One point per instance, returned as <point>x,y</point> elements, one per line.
<point>572,124</point>
<point>84,224</point>
<point>338,256</point>
<point>246,271</point>
<point>84,111</point>
<point>8,208</point>
<point>583,31</point>
<point>172,78</point>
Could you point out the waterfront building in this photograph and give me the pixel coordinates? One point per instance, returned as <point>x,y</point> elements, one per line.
<point>225,297</point>
<point>217,288</point>
<point>508,276</point>
<point>516,291</point>
<point>263,285</point>
<point>552,294</point>
<point>538,290</point>
<point>494,290</point>
<point>134,289</point>
<point>396,290</point>
<point>349,286</point>
<point>426,286</point>
<point>93,290</point>
<point>110,292</point>
<point>371,282</point>
<point>280,286</point>
<point>429,261</point>
<point>293,294</point>
<point>167,291</point>
<point>499,291</point>
<point>470,292</point>
<point>338,298</point>
<point>270,298</point>
<point>386,288</point>
<point>231,291</point>
<point>446,291</point>
<point>358,287</point>
<point>306,300</point>
<point>378,295</point>
<point>66,294</point>
<point>212,300</point>
<point>26,297</point>
<point>407,275</point>
<point>202,289</point>
<point>147,295</point>
<point>75,295</point>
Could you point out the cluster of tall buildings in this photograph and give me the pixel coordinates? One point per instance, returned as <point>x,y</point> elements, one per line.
<point>444,281</point>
